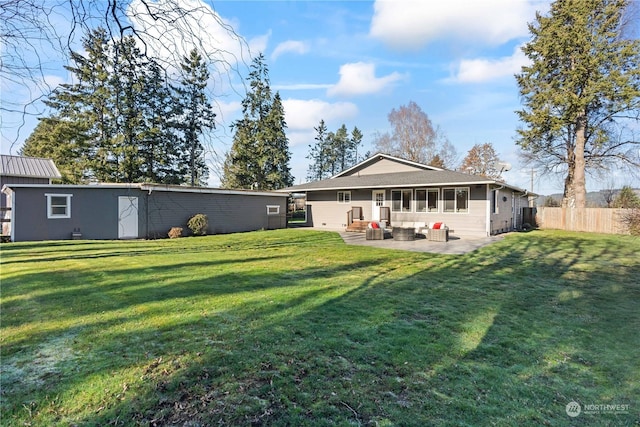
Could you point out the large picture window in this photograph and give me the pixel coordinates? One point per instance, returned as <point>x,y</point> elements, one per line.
<point>426,200</point>
<point>58,206</point>
<point>344,196</point>
<point>401,200</point>
<point>456,199</point>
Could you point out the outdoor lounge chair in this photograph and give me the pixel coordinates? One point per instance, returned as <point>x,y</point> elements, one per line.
<point>438,232</point>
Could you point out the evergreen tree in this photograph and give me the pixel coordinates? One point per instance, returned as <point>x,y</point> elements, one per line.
<point>158,141</point>
<point>65,143</point>
<point>317,152</point>
<point>259,157</point>
<point>627,199</point>
<point>332,152</point>
<point>580,92</point>
<point>121,121</point>
<point>277,156</point>
<point>128,90</point>
<point>88,105</point>
<point>195,115</point>
<point>356,140</point>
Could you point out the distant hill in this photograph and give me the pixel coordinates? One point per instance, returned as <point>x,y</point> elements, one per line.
<point>595,199</point>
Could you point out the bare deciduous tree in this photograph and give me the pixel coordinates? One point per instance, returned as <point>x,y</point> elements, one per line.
<point>39,35</point>
<point>415,138</point>
<point>482,159</point>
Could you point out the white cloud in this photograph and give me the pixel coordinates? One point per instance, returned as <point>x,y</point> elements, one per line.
<point>304,115</point>
<point>226,111</point>
<point>259,44</point>
<point>302,86</point>
<point>292,46</point>
<point>410,24</point>
<point>359,79</point>
<point>482,70</point>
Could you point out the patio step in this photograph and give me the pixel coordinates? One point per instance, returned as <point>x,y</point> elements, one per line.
<point>358,226</point>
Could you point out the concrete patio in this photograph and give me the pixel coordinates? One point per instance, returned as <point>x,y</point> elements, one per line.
<point>456,245</point>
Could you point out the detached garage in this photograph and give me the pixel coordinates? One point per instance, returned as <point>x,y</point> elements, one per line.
<point>131,211</point>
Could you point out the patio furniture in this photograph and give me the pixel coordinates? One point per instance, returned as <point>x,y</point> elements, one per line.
<point>404,233</point>
<point>438,232</point>
<point>375,234</point>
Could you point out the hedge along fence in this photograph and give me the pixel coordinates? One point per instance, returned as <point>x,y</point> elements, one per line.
<point>593,220</point>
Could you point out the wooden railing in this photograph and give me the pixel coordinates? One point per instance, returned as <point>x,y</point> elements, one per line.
<point>385,214</point>
<point>353,214</point>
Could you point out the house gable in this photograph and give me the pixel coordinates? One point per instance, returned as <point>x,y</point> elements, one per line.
<point>383,164</point>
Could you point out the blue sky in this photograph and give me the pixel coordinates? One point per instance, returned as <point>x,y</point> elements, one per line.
<point>352,62</point>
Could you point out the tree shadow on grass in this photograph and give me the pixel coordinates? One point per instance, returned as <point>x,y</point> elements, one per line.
<point>415,340</point>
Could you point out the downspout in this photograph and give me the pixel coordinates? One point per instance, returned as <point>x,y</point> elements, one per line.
<point>146,209</point>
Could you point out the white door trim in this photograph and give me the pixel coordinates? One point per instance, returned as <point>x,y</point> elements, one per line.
<point>127,217</point>
<point>376,203</point>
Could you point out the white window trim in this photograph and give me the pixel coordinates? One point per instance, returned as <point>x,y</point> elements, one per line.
<point>270,209</point>
<point>50,214</point>
<point>455,200</point>
<point>344,193</point>
<point>411,201</point>
<point>426,201</point>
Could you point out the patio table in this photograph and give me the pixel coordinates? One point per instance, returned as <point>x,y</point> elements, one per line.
<point>404,233</point>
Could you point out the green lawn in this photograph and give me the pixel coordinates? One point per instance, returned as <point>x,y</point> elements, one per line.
<point>292,327</point>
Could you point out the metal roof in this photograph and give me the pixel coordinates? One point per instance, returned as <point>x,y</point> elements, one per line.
<point>28,167</point>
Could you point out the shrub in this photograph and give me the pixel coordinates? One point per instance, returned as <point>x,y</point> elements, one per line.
<point>631,219</point>
<point>175,232</point>
<point>198,224</point>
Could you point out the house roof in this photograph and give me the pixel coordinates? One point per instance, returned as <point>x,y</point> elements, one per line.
<point>428,178</point>
<point>28,167</point>
<point>421,176</point>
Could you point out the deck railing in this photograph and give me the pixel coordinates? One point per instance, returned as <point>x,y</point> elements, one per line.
<point>353,214</point>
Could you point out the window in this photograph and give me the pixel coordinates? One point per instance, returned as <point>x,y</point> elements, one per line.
<point>344,196</point>
<point>495,209</point>
<point>456,199</point>
<point>58,206</point>
<point>401,200</point>
<point>273,209</point>
<point>426,200</point>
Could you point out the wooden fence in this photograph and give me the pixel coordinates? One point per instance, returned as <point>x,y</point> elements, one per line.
<point>594,220</point>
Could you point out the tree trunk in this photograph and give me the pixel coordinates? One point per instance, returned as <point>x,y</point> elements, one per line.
<point>568,197</point>
<point>579,182</point>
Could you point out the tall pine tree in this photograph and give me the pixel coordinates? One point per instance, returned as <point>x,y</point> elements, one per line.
<point>581,93</point>
<point>332,152</point>
<point>195,115</point>
<point>259,157</point>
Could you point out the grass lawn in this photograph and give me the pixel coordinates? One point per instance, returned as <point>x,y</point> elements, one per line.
<point>293,327</point>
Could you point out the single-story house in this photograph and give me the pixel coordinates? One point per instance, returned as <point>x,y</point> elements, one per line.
<point>23,170</point>
<point>399,191</point>
<point>130,211</point>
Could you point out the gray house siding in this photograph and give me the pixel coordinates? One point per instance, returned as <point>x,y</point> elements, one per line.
<point>18,180</point>
<point>383,166</point>
<point>95,212</point>
<point>227,213</point>
<point>328,213</point>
